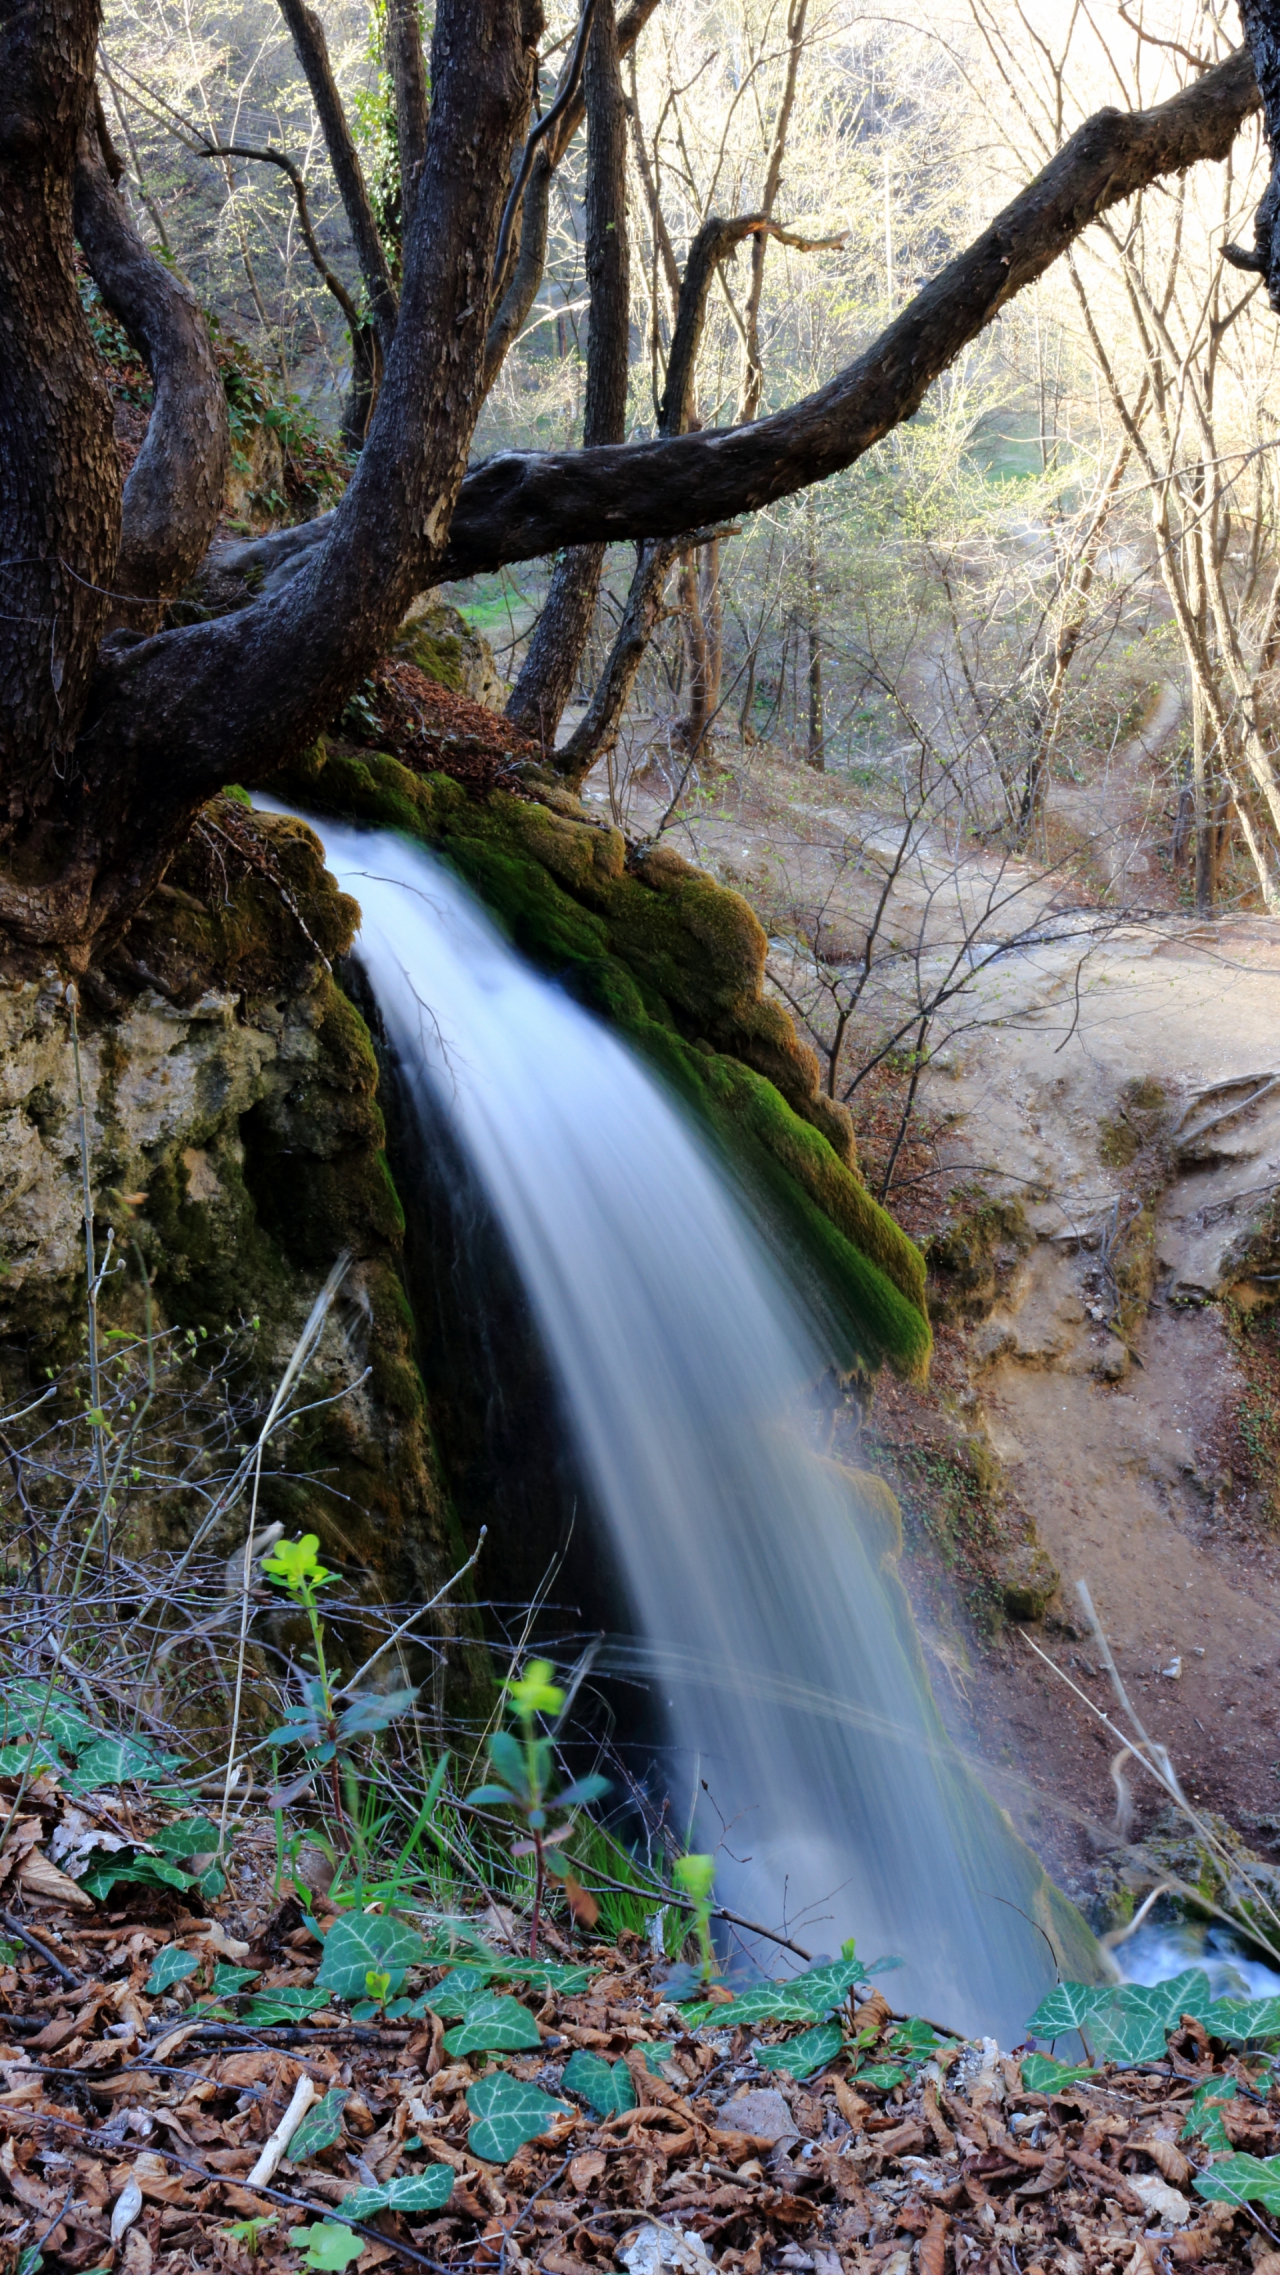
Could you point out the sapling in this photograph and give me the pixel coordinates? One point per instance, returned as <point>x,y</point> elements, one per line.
<point>323,1725</point>
<point>695,1876</point>
<point>525,1783</point>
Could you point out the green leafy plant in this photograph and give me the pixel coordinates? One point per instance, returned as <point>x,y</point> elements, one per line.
<point>1242,2180</point>
<point>328,1718</point>
<point>493,2026</point>
<point>506,2113</point>
<point>607,2087</point>
<point>1131,2022</point>
<point>172,1965</point>
<point>427,2191</point>
<point>321,2126</point>
<point>326,2245</point>
<point>695,1877</point>
<point>252,2233</point>
<point>524,1783</point>
<point>365,1943</point>
<point>811,2051</point>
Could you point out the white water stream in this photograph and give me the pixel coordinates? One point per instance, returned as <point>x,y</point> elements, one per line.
<point>781,1651</point>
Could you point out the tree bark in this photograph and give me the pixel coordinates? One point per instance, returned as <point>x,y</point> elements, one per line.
<point>1262,30</point>
<point>311,47</point>
<point>168,714</point>
<point>59,473</point>
<point>407,66</point>
<point>173,496</point>
<point>556,649</point>
<point>520,289</point>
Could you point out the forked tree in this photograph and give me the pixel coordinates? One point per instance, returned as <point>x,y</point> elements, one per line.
<point>117,726</point>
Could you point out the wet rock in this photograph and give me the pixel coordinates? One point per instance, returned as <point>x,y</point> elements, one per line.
<point>1028,1578</point>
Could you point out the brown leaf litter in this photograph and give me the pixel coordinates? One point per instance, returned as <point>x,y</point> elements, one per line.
<point>130,2126</point>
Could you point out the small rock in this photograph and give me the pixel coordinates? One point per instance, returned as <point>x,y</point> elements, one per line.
<point>1112,1362</point>
<point>1173,1670</point>
<point>1028,1578</point>
<point>659,2250</point>
<point>761,2112</point>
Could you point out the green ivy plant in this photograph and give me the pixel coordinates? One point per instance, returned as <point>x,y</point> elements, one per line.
<point>524,1782</point>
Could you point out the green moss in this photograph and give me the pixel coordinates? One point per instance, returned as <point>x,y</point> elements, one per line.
<point>676,962</point>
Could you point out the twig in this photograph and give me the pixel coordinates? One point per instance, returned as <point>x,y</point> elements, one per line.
<point>33,1943</point>
<point>275,2147</point>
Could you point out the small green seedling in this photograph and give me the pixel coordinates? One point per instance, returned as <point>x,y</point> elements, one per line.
<point>327,2246</point>
<point>695,1877</point>
<point>251,2232</point>
<point>327,1720</point>
<point>525,1783</point>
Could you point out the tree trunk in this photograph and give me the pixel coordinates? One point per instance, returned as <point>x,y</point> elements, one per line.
<point>556,650</point>
<point>173,496</point>
<point>59,472</point>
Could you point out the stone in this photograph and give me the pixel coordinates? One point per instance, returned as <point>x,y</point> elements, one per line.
<point>760,2112</point>
<point>1028,1578</point>
<point>1112,1362</point>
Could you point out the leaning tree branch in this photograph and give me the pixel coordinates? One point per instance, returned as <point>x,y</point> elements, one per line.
<point>409,78</point>
<point>525,503</point>
<point>173,496</point>
<point>1262,30</point>
<point>173,715</point>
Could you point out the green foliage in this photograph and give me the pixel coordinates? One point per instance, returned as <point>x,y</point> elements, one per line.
<point>1041,2074</point>
<point>292,2004</point>
<point>457,1991</point>
<point>1204,2118</point>
<point>607,2087</point>
<point>362,1941</point>
<point>170,1966</point>
<point>506,2114</point>
<point>811,2051</point>
<point>326,2246</point>
<point>1130,2022</point>
<point>493,2026</point>
<point>1242,2180</point>
<point>524,1782</point>
<point>252,2233</point>
<point>229,1981</point>
<point>882,2075</point>
<point>320,2128</point>
<point>695,1877</point>
<point>427,2191</point>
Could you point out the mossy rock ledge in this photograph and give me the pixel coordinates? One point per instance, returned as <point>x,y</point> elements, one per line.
<point>675,961</point>
<point>237,1149</point>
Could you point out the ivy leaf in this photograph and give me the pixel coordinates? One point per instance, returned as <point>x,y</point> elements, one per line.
<point>326,2245</point>
<point>548,1975</point>
<point>320,2128</point>
<point>1204,2118</point>
<point>811,2051</point>
<point>768,2002</point>
<point>507,2113</point>
<point>608,2088</point>
<point>227,1981</point>
<point>1242,2021</point>
<point>362,1941</point>
<point>26,1707</point>
<point>1136,2024</point>
<point>145,1871</point>
<point>1242,2180</point>
<point>187,1836</point>
<point>292,2004</point>
<point>1072,2006</point>
<point>117,1761</point>
<point>172,1965</point>
<point>882,2075</point>
<point>427,2191</point>
<point>1041,2074</point>
<point>826,1986</point>
<point>457,1991</point>
<point>656,2056</point>
<point>493,2026</point>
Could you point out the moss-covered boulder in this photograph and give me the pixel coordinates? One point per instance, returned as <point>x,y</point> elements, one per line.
<point>676,961</point>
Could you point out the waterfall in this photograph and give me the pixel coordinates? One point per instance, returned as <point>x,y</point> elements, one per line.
<point>762,1604</point>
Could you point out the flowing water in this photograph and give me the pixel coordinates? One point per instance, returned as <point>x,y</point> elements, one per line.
<point>779,1641</point>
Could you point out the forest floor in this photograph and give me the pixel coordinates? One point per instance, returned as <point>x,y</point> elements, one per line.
<point>1096,1154</point>
<point>182,2090</point>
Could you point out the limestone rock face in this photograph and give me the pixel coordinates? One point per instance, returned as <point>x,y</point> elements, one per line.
<point>235,1151</point>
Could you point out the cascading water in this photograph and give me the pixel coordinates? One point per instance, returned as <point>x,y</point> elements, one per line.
<point>785,1658</point>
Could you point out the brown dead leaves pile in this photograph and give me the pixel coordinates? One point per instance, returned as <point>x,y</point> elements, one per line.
<point>119,2107</point>
<point>432,730</point>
